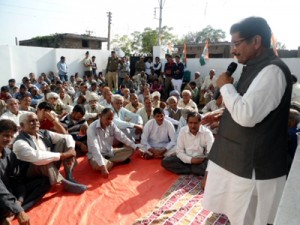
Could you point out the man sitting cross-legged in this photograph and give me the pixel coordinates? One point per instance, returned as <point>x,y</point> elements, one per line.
<point>158,138</point>
<point>17,194</point>
<point>100,138</point>
<point>43,152</point>
<point>193,145</point>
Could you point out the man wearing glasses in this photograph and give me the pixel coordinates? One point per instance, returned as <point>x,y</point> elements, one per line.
<point>247,170</point>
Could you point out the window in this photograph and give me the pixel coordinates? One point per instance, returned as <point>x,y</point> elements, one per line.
<point>85,43</point>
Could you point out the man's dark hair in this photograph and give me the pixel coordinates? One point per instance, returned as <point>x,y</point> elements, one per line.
<point>79,108</point>
<point>93,57</point>
<point>22,86</point>
<point>252,26</point>
<point>193,83</point>
<point>89,75</point>
<point>193,114</point>
<point>45,105</point>
<point>8,125</point>
<point>102,85</point>
<point>105,111</point>
<point>62,57</point>
<point>11,80</point>
<point>24,79</point>
<point>25,96</point>
<point>4,89</point>
<point>158,111</point>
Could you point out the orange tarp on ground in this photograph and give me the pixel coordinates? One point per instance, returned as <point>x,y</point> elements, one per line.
<point>130,192</point>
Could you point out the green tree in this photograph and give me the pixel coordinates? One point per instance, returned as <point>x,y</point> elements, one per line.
<point>149,39</point>
<point>143,42</point>
<point>214,35</point>
<point>136,42</point>
<point>167,36</point>
<point>122,42</point>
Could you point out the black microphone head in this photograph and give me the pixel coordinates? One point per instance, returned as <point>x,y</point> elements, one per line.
<point>231,68</point>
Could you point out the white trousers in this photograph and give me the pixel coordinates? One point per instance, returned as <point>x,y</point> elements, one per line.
<point>243,201</point>
<point>177,84</point>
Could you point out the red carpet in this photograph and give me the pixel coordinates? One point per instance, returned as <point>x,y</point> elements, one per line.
<point>130,192</point>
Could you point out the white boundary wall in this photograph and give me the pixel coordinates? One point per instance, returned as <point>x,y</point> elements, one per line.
<point>18,61</point>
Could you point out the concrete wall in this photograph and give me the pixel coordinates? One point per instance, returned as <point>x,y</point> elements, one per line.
<point>18,61</point>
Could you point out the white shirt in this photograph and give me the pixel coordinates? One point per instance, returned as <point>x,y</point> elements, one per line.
<point>92,113</point>
<point>158,136</point>
<point>211,106</point>
<point>189,145</point>
<point>10,116</point>
<point>67,100</point>
<point>87,62</point>
<point>100,141</point>
<point>207,82</point>
<point>142,112</point>
<point>42,155</point>
<point>190,104</point>
<point>198,82</point>
<point>105,104</point>
<point>263,96</point>
<point>148,67</point>
<point>121,116</point>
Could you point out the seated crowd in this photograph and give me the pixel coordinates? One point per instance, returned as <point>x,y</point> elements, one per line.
<point>50,122</point>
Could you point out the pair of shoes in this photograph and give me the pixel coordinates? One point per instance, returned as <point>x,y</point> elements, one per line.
<point>73,187</point>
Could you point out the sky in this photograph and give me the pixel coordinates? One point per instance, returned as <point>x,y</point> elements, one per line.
<point>25,19</point>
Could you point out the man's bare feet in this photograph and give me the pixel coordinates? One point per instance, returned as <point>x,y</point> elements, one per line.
<point>8,220</point>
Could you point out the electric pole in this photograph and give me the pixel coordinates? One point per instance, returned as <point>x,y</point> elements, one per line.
<point>108,35</point>
<point>160,21</point>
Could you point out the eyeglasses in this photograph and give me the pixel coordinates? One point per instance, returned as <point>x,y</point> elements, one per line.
<point>237,43</point>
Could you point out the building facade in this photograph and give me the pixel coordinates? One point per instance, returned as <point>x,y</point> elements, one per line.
<point>67,40</point>
<point>222,50</point>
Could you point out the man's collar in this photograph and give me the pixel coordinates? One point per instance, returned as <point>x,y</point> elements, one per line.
<point>199,131</point>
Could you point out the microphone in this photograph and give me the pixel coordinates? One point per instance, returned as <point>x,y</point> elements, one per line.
<point>230,70</point>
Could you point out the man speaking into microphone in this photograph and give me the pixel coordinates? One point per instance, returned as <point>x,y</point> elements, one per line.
<point>247,167</point>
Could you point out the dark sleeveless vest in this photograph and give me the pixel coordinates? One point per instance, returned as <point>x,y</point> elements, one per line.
<point>175,116</point>
<point>263,147</point>
<point>25,137</point>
